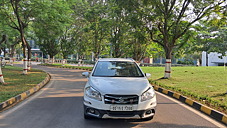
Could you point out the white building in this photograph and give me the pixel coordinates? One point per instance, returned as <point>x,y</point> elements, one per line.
<point>213,59</point>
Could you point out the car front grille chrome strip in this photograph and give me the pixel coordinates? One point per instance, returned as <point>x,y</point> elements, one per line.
<point>121,99</point>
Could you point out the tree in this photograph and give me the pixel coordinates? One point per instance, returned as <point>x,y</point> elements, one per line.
<point>218,21</point>
<point>118,29</point>
<point>49,24</point>
<point>173,20</point>
<point>82,39</point>
<point>3,42</point>
<point>139,37</point>
<point>205,40</point>
<point>94,14</point>
<point>168,20</point>
<point>18,14</point>
<point>12,49</point>
<point>209,37</point>
<point>67,43</point>
<point>222,41</point>
<point>10,39</point>
<point>1,75</point>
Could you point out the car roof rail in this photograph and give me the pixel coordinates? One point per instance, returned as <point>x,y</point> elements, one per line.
<point>130,59</point>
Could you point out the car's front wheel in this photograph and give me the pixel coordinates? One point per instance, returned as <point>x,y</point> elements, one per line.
<point>87,116</point>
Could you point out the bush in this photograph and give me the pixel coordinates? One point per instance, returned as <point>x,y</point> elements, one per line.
<point>72,61</point>
<point>83,62</point>
<point>186,62</point>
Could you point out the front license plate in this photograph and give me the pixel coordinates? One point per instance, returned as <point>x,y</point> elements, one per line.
<point>121,108</point>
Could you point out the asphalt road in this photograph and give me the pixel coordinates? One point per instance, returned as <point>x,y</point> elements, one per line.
<point>60,105</point>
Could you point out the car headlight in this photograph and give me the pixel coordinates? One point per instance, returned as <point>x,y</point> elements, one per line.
<point>148,94</point>
<point>92,93</point>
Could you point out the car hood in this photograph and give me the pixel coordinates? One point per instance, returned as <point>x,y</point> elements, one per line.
<point>120,85</point>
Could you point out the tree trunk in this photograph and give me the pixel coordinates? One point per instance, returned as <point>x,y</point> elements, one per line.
<point>168,63</point>
<point>25,70</point>
<point>29,56</point>
<point>24,51</point>
<point>167,69</point>
<point>1,76</point>
<point>11,61</point>
<point>21,26</point>
<point>25,60</point>
<point>160,59</point>
<point>206,58</point>
<point>96,56</point>
<point>12,51</point>
<point>51,59</point>
<point>4,52</point>
<point>65,56</point>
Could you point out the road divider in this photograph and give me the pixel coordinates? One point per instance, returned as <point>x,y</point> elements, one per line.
<point>14,100</point>
<point>207,110</point>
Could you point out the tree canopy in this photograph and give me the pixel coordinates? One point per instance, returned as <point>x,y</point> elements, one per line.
<point>116,28</point>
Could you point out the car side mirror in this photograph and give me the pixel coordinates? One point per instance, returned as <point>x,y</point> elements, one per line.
<point>86,74</point>
<point>148,75</point>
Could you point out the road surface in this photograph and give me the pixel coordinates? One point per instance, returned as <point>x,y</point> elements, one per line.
<point>60,105</point>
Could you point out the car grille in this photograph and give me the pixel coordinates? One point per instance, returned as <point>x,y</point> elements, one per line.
<point>121,99</point>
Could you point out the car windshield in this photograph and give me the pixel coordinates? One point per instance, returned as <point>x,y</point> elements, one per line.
<point>117,69</point>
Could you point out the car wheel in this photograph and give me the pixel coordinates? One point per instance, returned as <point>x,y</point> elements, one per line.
<point>87,116</point>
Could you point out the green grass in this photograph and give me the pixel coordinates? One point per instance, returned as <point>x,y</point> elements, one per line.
<point>18,83</point>
<point>205,84</point>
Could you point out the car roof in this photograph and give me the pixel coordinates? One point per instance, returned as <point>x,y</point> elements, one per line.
<point>116,59</point>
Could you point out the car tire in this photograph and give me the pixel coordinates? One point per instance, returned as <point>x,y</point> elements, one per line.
<point>87,116</point>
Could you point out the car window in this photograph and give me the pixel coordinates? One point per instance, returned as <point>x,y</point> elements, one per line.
<point>117,69</point>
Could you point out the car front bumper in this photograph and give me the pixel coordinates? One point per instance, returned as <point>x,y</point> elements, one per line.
<point>140,114</point>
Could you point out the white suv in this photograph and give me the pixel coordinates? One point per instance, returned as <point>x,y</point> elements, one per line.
<point>117,88</point>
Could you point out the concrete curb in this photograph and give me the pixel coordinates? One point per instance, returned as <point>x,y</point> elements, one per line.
<point>24,95</point>
<point>207,110</point>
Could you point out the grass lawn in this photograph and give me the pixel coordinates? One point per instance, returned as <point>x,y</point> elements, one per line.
<point>207,84</point>
<point>18,83</point>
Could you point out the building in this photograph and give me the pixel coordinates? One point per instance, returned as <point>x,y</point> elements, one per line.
<point>213,59</point>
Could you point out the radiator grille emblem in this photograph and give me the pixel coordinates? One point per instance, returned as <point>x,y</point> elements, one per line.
<point>121,100</point>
